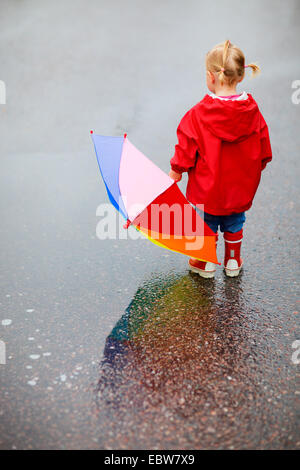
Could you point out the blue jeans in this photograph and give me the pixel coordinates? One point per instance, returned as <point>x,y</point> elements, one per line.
<point>228,223</point>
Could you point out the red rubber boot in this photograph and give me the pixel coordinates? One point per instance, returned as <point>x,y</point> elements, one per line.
<point>203,268</point>
<point>233,261</point>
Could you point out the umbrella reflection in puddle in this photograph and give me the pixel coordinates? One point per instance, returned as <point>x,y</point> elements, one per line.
<point>165,348</point>
<point>183,368</point>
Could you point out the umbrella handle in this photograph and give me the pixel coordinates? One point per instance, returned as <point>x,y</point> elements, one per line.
<point>127,224</point>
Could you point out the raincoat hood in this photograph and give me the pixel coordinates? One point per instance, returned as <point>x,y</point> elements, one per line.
<point>230,120</point>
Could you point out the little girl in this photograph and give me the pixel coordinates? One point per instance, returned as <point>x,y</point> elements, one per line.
<point>223,144</point>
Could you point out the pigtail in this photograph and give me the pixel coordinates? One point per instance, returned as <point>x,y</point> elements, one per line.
<point>221,74</point>
<point>255,69</point>
<point>225,51</point>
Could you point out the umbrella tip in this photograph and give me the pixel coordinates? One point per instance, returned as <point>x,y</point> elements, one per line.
<point>125,135</point>
<point>91,132</point>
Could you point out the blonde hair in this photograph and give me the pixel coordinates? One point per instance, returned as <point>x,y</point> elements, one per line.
<point>228,61</point>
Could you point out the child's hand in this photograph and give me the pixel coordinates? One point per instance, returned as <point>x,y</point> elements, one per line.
<point>175,176</point>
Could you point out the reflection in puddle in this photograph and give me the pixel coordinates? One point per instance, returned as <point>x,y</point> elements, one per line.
<point>180,369</point>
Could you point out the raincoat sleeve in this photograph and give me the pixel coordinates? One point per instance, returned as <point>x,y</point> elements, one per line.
<point>186,149</point>
<point>265,144</point>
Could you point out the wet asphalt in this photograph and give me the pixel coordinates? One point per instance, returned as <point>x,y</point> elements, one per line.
<point>113,344</point>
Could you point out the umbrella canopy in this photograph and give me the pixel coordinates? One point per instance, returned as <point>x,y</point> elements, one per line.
<point>150,200</point>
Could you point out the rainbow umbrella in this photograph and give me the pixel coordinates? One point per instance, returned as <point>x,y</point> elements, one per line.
<point>150,200</point>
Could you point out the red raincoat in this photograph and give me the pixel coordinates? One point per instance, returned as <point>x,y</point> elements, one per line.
<point>224,146</point>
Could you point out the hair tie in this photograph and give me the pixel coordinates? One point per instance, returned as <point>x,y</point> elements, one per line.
<point>222,69</point>
<point>245,66</point>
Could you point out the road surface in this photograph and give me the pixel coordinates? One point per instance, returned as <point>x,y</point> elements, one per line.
<point>113,344</point>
